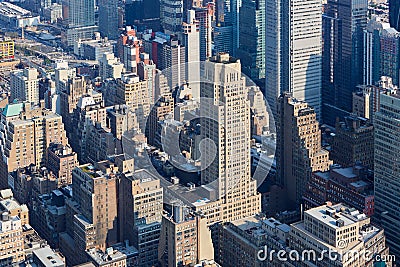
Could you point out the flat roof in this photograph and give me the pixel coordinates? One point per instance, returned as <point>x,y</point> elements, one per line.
<point>48,257</point>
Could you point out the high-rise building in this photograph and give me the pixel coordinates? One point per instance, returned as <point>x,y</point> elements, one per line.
<point>80,16</point>
<point>223,39</point>
<point>61,160</point>
<point>294,51</point>
<point>353,143</point>
<point>133,92</point>
<point>343,24</point>
<point>172,16</point>
<point>141,198</point>
<point>108,18</point>
<point>25,135</point>
<point>92,212</point>
<point>344,230</point>
<point>381,52</point>
<point>203,16</point>
<point>24,85</point>
<point>299,151</point>
<point>191,41</point>
<point>162,109</point>
<point>140,11</point>
<point>387,199</point>
<point>172,60</point>
<point>251,49</point>
<point>394,14</point>
<point>81,13</point>
<point>225,119</point>
<point>185,239</point>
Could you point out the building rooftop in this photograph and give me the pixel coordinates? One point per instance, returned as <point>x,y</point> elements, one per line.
<point>48,257</point>
<point>336,216</point>
<point>12,110</point>
<point>110,256</point>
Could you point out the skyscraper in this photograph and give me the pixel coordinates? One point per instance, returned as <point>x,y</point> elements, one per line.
<point>299,151</point>
<point>108,18</point>
<point>387,166</point>
<point>225,120</point>
<point>394,14</point>
<point>81,20</point>
<point>381,52</point>
<point>191,41</point>
<point>172,16</point>
<point>251,49</point>
<point>203,15</point>
<point>343,24</point>
<point>293,50</point>
<point>81,13</point>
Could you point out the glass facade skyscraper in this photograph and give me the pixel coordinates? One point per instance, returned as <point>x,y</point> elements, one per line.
<point>251,49</point>
<point>293,50</point>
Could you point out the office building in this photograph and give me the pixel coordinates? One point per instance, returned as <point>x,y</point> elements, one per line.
<point>387,199</point>
<point>367,98</point>
<point>44,257</point>
<point>251,49</point>
<point>223,39</point>
<point>143,13</point>
<point>342,229</point>
<point>91,216</point>
<point>134,93</point>
<point>108,18</point>
<point>394,14</point>
<point>147,71</point>
<point>61,160</point>
<point>81,13</point>
<point>25,135</point>
<point>88,117</point>
<point>382,52</point>
<point>171,14</point>
<point>185,238</point>
<point>80,16</point>
<point>29,182</point>
<point>141,208</point>
<point>227,172</point>
<point>24,85</point>
<point>191,41</point>
<point>110,67</point>
<point>352,186</point>
<point>163,109</point>
<point>204,16</point>
<point>121,254</point>
<point>120,120</point>
<point>171,59</point>
<point>249,236</point>
<point>294,51</point>
<point>298,151</point>
<point>353,143</point>
<point>343,24</point>
<point>49,218</point>
<point>93,48</point>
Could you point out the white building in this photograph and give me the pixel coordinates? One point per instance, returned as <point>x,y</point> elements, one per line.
<point>17,17</point>
<point>191,41</point>
<point>294,50</point>
<point>110,67</point>
<point>25,85</point>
